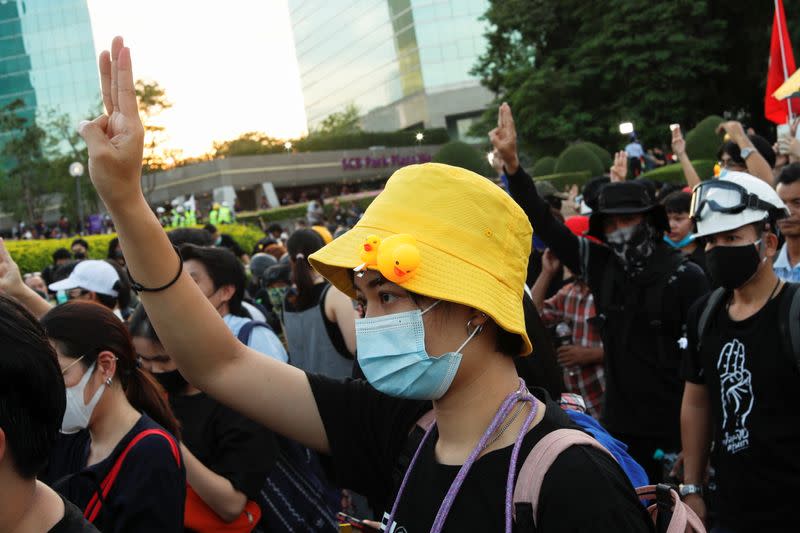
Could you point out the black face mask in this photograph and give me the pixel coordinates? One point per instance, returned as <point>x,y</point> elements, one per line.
<point>173,382</point>
<point>733,266</point>
<point>633,246</point>
<point>79,255</point>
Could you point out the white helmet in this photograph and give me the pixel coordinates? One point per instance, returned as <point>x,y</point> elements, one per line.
<point>179,209</point>
<point>734,201</point>
<point>160,210</point>
<point>225,204</point>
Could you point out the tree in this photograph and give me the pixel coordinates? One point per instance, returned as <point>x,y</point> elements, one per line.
<point>250,143</point>
<point>345,122</point>
<point>63,147</point>
<point>27,178</point>
<point>152,101</point>
<point>574,70</point>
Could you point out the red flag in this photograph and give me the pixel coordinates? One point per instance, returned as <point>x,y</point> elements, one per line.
<point>781,66</point>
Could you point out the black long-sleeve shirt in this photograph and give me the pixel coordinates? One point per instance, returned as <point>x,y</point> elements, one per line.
<point>642,356</point>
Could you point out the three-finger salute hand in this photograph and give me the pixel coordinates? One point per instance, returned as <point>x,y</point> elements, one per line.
<point>116,140</point>
<point>504,138</point>
<point>619,170</point>
<point>678,142</point>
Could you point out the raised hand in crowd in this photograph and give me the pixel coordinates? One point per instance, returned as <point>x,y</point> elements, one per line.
<point>679,149</point>
<point>12,284</point>
<point>504,138</point>
<point>190,328</point>
<point>619,170</point>
<point>756,164</point>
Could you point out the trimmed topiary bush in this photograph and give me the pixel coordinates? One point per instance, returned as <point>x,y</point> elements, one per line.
<point>293,212</point>
<point>462,155</point>
<point>674,174</point>
<point>34,256</point>
<point>579,158</point>
<point>544,166</point>
<point>602,154</point>
<point>703,142</point>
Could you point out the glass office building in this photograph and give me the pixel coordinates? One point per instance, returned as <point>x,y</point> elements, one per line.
<point>47,58</point>
<point>404,63</point>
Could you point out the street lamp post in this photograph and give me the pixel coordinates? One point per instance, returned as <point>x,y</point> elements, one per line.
<point>420,136</point>
<point>76,171</point>
<point>288,147</point>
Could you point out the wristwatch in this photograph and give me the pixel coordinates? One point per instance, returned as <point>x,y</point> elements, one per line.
<point>746,151</point>
<point>686,490</point>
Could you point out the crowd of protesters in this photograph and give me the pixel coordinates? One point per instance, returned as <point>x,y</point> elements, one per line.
<point>464,356</point>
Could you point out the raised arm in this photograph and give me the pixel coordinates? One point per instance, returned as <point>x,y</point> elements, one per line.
<point>263,389</point>
<point>756,164</point>
<point>11,283</point>
<point>558,237</point>
<point>679,149</point>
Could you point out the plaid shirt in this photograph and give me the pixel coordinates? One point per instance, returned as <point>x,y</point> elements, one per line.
<point>574,304</point>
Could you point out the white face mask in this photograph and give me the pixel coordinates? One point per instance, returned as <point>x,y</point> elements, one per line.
<point>77,415</point>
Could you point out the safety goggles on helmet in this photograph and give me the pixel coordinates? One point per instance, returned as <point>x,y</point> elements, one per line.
<point>724,197</point>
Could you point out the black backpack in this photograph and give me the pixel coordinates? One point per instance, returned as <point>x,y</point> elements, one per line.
<point>788,318</point>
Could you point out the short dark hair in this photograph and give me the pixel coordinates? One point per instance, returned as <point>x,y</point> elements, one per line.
<point>223,268</point>
<point>199,237</point>
<point>81,242</point>
<point>761,145</point>
<point>32,397</point>
<point>274,227</point>
<point>789,174</point>
<point>60,254</point>
<point>677,202</point>
<point>211,228</point>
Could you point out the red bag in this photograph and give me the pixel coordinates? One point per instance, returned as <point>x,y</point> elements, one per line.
<point>201,518</point>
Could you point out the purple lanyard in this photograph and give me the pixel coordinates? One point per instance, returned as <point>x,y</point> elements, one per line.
<point>520,395</point>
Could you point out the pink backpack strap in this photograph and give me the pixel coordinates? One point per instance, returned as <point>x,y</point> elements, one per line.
<point>541,458</point>
<point>684,519</point>
<point>427,420</point>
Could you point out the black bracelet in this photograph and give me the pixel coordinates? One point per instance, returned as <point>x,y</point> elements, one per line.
<point>138,287</point>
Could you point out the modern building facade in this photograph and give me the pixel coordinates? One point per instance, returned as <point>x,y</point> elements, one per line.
<point>47,58</point>
<point>404,63</point>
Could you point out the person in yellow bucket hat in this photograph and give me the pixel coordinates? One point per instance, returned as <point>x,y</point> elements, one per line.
<point>438,263</point>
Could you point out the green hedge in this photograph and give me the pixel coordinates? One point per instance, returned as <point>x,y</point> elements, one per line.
<point>544,166</point>
<point>602,154</point>
<point>703,142</point>
<point>579,158</point>
<point>460,154</point>
<point>674,174</point>
<point>34,256</point>
<point>294,212</point>
<point>564,179</point>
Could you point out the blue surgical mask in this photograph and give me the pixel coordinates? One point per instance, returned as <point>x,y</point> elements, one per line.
<point>686,241</point>
<point>722,173</point>
<point>391,352</point>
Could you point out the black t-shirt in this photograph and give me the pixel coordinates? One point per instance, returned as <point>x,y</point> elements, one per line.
<point>226,442</point>
<point>642,358</point>
<point>585,490</point>
<point>752,384</point>
<point>149,492</point>
<point>73,521</point>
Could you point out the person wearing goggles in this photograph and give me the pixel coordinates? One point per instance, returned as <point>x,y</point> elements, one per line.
<point>740,380</point>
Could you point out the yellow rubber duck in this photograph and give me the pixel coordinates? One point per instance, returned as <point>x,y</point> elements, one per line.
<point>398,257</point>
<point>369,253</point>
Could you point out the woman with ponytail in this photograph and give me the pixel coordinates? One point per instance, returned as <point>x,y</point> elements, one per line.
<point>319,319</point>
<point>118,457</point>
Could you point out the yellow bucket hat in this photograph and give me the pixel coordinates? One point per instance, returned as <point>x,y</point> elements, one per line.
<point>459,237</point>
